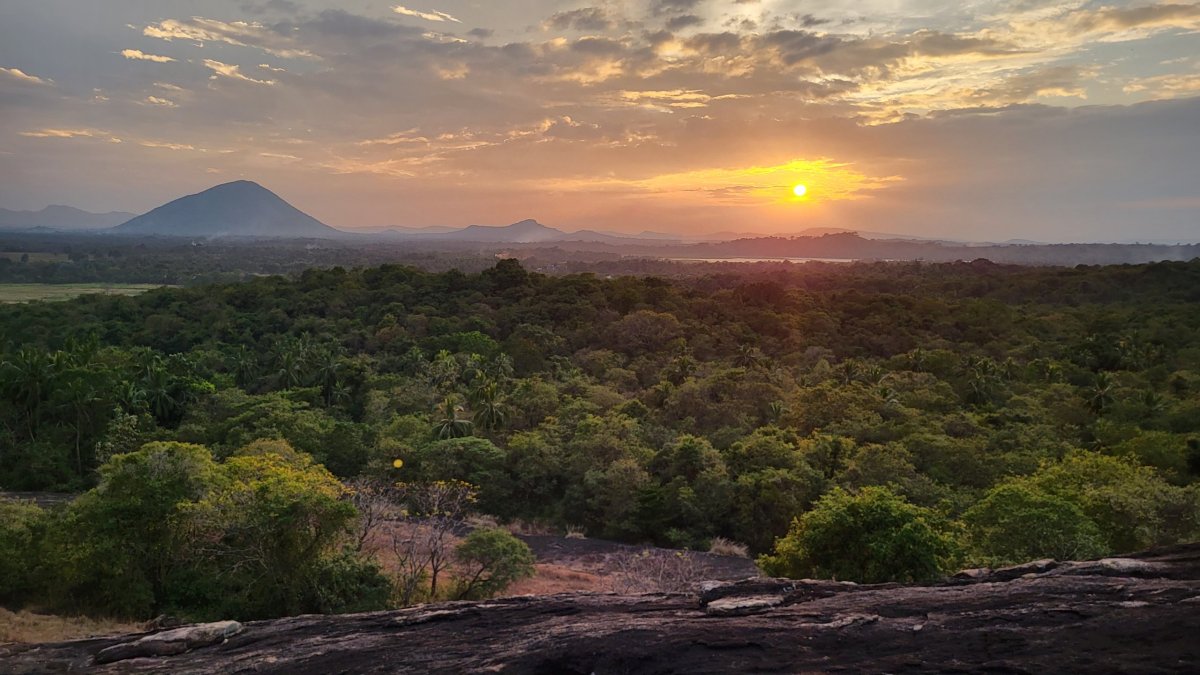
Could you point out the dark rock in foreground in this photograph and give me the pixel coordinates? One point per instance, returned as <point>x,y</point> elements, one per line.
<point>1135,614</point>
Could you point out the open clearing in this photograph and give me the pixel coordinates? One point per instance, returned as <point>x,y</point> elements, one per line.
<point>10,293</point>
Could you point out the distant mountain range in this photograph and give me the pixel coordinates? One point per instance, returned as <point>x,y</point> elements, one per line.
<point>247,209</point>
<point>60,218</point>
<point>239,209</point>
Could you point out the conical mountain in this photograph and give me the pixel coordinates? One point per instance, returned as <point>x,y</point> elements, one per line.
<point>239,209</point>
<point>525,232</point>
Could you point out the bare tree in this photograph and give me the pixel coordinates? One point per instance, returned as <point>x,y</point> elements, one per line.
<point>376,505</point>
<point>430,513</point>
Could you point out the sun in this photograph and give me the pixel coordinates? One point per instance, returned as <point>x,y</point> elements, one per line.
<point>800,190</point>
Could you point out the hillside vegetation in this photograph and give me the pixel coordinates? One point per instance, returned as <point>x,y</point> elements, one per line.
<point>867,421</point>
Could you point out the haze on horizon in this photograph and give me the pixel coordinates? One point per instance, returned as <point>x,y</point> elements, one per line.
<point>990,119</point>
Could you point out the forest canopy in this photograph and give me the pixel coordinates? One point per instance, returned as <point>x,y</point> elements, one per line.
<point>998,413</point>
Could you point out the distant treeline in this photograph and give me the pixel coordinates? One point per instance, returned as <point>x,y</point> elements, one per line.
<point>91,258</point>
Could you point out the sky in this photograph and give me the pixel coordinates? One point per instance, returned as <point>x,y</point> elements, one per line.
<point>1057,120</point>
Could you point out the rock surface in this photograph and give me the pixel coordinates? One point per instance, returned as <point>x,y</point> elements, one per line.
<point>1132,615</point>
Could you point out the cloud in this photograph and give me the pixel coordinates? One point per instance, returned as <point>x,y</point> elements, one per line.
<point>71,133</point>
<point>340,23</point>
<point>159,101</point>
<point>661,7</point>
<point>683,21</point>
<point>18,74</point>
<point>1149,16</point>
<point>668,100</point>
<point>1166,86</point>
<point>431,15</point>
<point>237,33</point>
<point>138,55</point>
<point>231,71</point>
<point>589,19</point>
<point>163,145</point>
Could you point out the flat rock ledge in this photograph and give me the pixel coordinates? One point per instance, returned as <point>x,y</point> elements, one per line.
<point>1137,614</point>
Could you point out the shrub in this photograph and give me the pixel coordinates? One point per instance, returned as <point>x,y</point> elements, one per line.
<point>871,537</point>
<point>1016,523</point>
<point>728,547</point>
<point>489,561</point>
<point>21,529</point>
<point>169,529</point>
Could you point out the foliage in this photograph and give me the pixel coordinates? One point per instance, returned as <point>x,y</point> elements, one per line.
<point>1016,522</point>
<point>723,401</point>
<point>22,526</point>
<point>489,561</point>
<point>169,529</point>
<point>870,537</point>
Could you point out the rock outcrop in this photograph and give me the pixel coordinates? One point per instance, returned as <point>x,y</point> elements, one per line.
<point>1129,615</point>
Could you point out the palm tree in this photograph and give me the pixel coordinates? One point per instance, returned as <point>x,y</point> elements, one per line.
<point>290,371</point>
<point>27,378</point>
<point>327,373</point>
<point>489,406</point>
<point>1100,397</point>
<point>158,388</point>
<point>450,424</point>
<point>748,356</point>
<point>245,367</point>
<point>79,396</point>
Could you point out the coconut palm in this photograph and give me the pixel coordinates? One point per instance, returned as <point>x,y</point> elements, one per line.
<point>490,413</point>
<point>27,378</point>
<point>450,424</point>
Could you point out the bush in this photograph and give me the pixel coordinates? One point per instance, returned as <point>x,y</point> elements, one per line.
<point>490,561</point>
<point>871,537</point>
<point>170,530</point>
<point>1131,504</point>
<point>728,547</point>
<point>346,583</point>
<point>1016,523</point>
<point>120,548</point>
<point>21,529</point>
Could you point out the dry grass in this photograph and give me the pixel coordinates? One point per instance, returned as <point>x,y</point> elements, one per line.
<point>574,532</point>
<point>27,627</point>
<point>551,578</point>
<point>16,293</point>
<point>723,546</point>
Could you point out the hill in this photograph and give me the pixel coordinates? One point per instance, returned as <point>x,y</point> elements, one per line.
<point>60,218</point>
<point>238,209</point>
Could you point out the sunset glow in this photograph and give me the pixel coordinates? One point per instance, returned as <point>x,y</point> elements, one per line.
<point>687,115</point>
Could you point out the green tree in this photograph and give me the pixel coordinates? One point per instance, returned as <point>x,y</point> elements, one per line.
<point>1132,505</point>
<point>489,561</point>
<point>22,527</point>
<point>121,544</point>
<point>870,537</point>
<point>269,528</point>
<point>1016,523</point>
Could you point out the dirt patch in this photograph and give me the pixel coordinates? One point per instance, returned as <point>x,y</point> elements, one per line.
<point>602,558</point>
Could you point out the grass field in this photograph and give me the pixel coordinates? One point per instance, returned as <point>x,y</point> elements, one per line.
<point>10,293</point>
<point>34,256</point>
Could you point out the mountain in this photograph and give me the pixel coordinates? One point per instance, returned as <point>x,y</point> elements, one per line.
<point>238,209</point>
<point>61,218</point>
<point>527,231</point>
